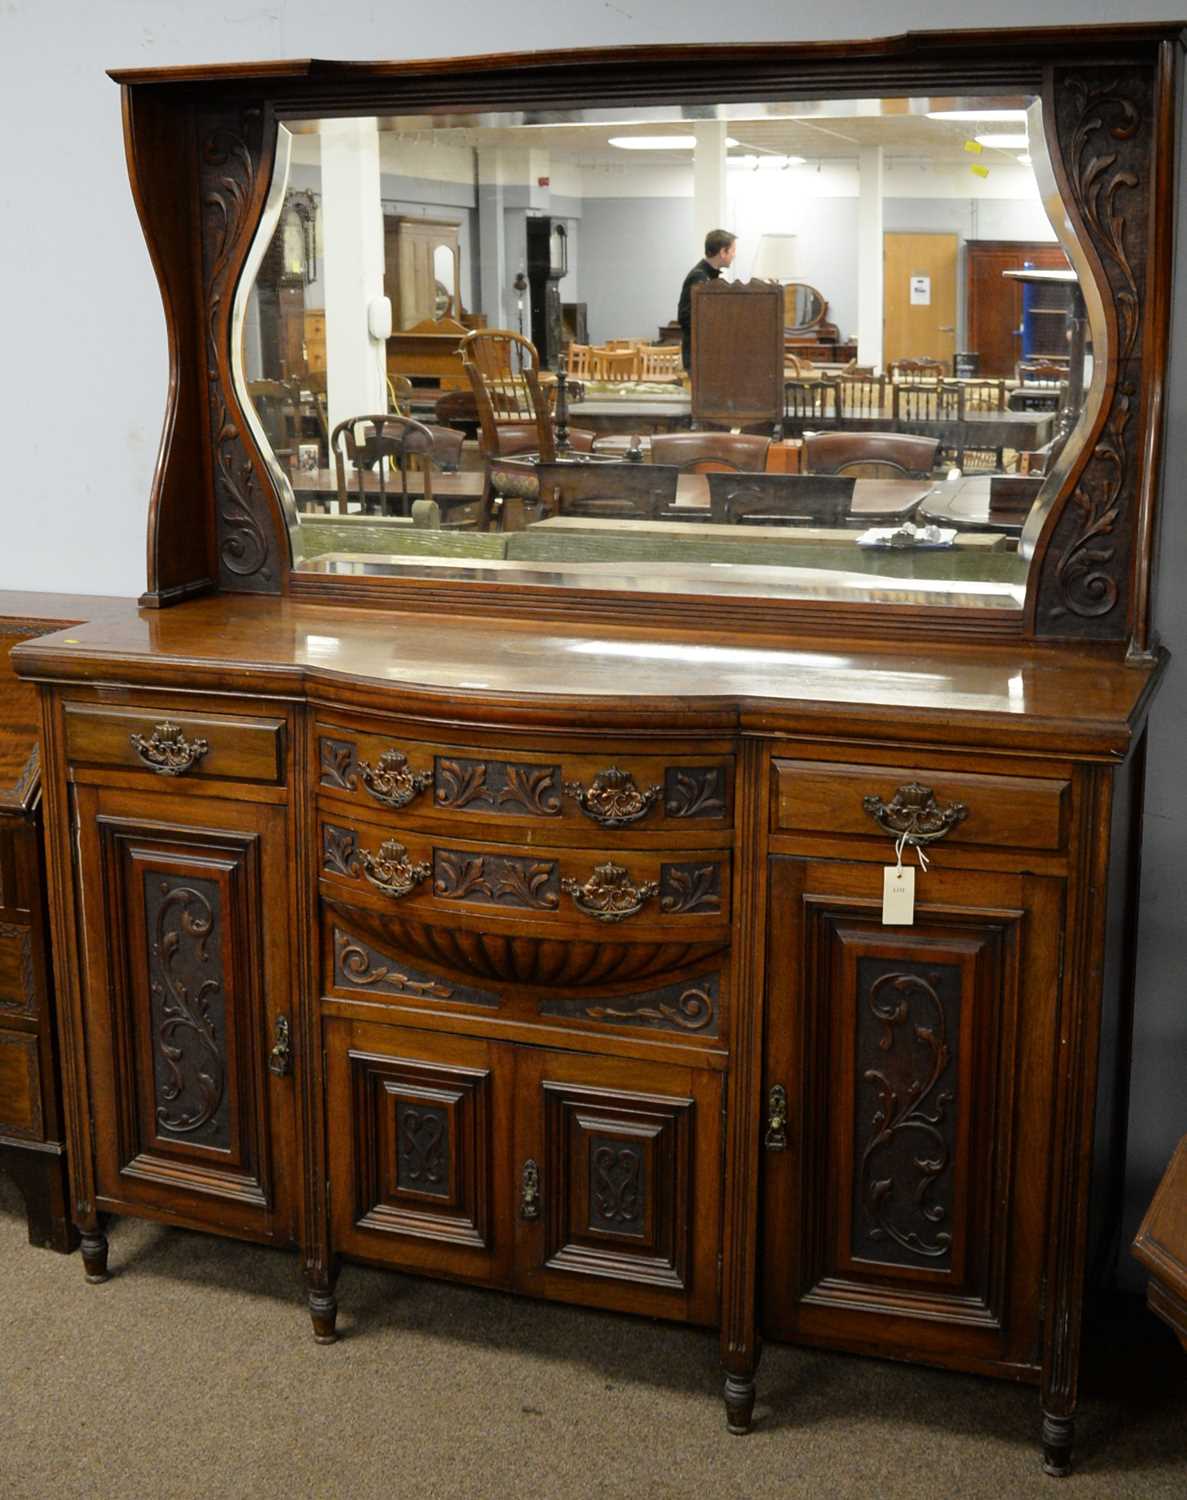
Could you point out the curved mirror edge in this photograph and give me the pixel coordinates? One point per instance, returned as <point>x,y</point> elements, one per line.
<point>269,219</point>
<point>904,590</point>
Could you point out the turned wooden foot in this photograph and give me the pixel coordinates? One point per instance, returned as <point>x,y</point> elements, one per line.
<point>1058,1433</point>
<point>94,1256</point>
<point>323,1309</point>
<point>739,1403</point>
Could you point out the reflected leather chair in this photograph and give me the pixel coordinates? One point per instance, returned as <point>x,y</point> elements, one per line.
<point>447,441</point>
<point>626,491</point>
<point>514,414</point>
<point>367,442</point>
<point>871,455</point>
<point>707,452</point>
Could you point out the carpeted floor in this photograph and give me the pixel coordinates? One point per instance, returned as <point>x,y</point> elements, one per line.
<point>192,1373</point>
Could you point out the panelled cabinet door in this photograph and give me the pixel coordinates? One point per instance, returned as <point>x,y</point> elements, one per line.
<point>188,997</point>
<point>618,1191</point>
<point>413,1119</point>
<point>906,1178</point>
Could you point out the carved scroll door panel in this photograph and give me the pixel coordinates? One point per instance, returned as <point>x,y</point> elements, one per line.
<point>618,1190</point>
<point>189,1008</point>
<point>417,1177</point>
<point>905,1182</point>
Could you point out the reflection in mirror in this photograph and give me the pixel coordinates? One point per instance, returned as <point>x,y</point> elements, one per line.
<point>936,341</point>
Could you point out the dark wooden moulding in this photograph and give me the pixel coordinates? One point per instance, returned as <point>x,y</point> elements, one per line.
<point>271,767</point>
<point>200,145</point>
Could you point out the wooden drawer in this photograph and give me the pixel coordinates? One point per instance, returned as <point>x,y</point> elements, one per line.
<point>18,983</point>
<point>197,746</point>
<point>588,891</point>
<point>1018,812</point>
<point>565,790</point>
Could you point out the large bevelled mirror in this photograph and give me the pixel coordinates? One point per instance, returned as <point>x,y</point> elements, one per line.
<point>928,336</point>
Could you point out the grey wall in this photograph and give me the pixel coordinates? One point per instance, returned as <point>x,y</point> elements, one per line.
<point>635,253</point>
<point>88,303</point>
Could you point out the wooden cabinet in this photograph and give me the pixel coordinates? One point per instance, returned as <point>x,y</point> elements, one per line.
<point>994,301</point>
<point>422,269</point>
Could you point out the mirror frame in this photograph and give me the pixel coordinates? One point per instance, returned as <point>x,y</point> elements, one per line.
<point>821,316</point>
<point>201,143</point>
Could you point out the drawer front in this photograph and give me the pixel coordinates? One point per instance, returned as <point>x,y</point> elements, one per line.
<point>186,746</point>
<point>20,1087</point>
<point>18,981</point>
<point>881,801</point>
<point>565,790</point>
<point>588,891</point>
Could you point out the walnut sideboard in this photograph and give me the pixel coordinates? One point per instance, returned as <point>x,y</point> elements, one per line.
<point>529,957</point>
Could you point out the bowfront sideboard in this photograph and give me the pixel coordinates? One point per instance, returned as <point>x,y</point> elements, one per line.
<point>539,925</point>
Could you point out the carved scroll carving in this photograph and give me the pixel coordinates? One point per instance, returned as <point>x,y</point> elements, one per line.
<point>694,792</point>
<point>338,764</point>
<point>690,888</point>
<point>358,965</point>
<point>499,880</point>
<point>677,1007</point>
<point>907,1142</point>
<point>422,1162</point>
<point>186,985</point>
<point>339,851</point>
<point>521,790</point>
<point>229,163</point>
<point>617,1186</point>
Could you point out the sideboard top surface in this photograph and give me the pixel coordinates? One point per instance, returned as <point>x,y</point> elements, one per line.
<point>1074,701</point>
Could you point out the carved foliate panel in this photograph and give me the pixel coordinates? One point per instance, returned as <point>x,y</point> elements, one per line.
<point>695,792</point>
<point>338,761</point>
<point>526,791</point>
<point>422,1149</point>
<point>358,965</point>
<point>496,880</point>
<point>188,1007</point>
<point>907,1103</point>
<point>690,888</point>
<point>616,1178</point>
<point>689,1007</point>
<point>231,149</point>
<point>1105,121</point>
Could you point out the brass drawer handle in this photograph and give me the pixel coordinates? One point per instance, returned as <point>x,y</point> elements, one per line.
<point>612,798</point>
<point>609,894</point>
<point>914,815</point>
<point>776,1136</point>
<point>529,1192</point>
<point>391,782</point>
<point>280,1059</point>
<point>167,751</point>
<point>391,871</point>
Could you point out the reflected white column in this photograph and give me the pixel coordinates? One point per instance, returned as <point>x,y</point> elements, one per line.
<point>492,237</point>
<point>708,181</point>
<point>352,219</point>
<point>869,256</point>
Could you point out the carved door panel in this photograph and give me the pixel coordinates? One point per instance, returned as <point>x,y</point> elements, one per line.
<point>189,1008</point>
<point>906,1158</point>
<point>414,1121</point>
<point>619,1183</point>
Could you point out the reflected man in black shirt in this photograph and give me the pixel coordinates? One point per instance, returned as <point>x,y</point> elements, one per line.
<point>720,248</point>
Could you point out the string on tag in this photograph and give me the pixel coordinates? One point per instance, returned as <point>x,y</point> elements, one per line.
<point>923,861</point>
<point>898,853</point>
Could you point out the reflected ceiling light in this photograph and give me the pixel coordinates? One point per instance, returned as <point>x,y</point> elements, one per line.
<point>987,115</point>
<point>1004,142</point>
<point>658,142</point>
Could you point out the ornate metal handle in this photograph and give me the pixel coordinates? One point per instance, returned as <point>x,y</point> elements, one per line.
<point>391,871</point>
<point>280,1059</point>
<point>529,1192</point>
<point>167,751</point>
<point>609,894</point>
<point>914,814</point>
<point>776,1136</point>
<point>391,782</point>
<point>612,798</point>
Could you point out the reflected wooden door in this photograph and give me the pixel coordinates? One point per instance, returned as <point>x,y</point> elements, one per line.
<point>919,297</point>
<point>995,301</point>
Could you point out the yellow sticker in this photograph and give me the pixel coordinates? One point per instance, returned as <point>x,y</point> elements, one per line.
<point>974,148</point>
<point>980,171</point>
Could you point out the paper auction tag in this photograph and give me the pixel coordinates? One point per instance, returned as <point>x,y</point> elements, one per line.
<point>898,895</point>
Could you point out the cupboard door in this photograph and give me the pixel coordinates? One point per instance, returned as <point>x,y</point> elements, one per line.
<point>414,1119</point>
<point>905,1181</point>
<point>619,1195</point>
<point>187,992</point>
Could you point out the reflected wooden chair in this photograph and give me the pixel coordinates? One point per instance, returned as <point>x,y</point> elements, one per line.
<point>926,403</point>
<point>312,388</point>
<point>514,412</point>
<point>781,500</point>
<point>981,395</point>
<point>979,460</point>
<point>660,362</point>
<point>578,363</point>
<point>914,371</point>
<point>447,441</point>
<point>871,455</point>
<point>615,365</point>
<point>626,491</point>
<point>711,452</point>
<point>816,402</point>
<point>368,443</point>
<point>1041,372</point>
<point>862,395</point>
